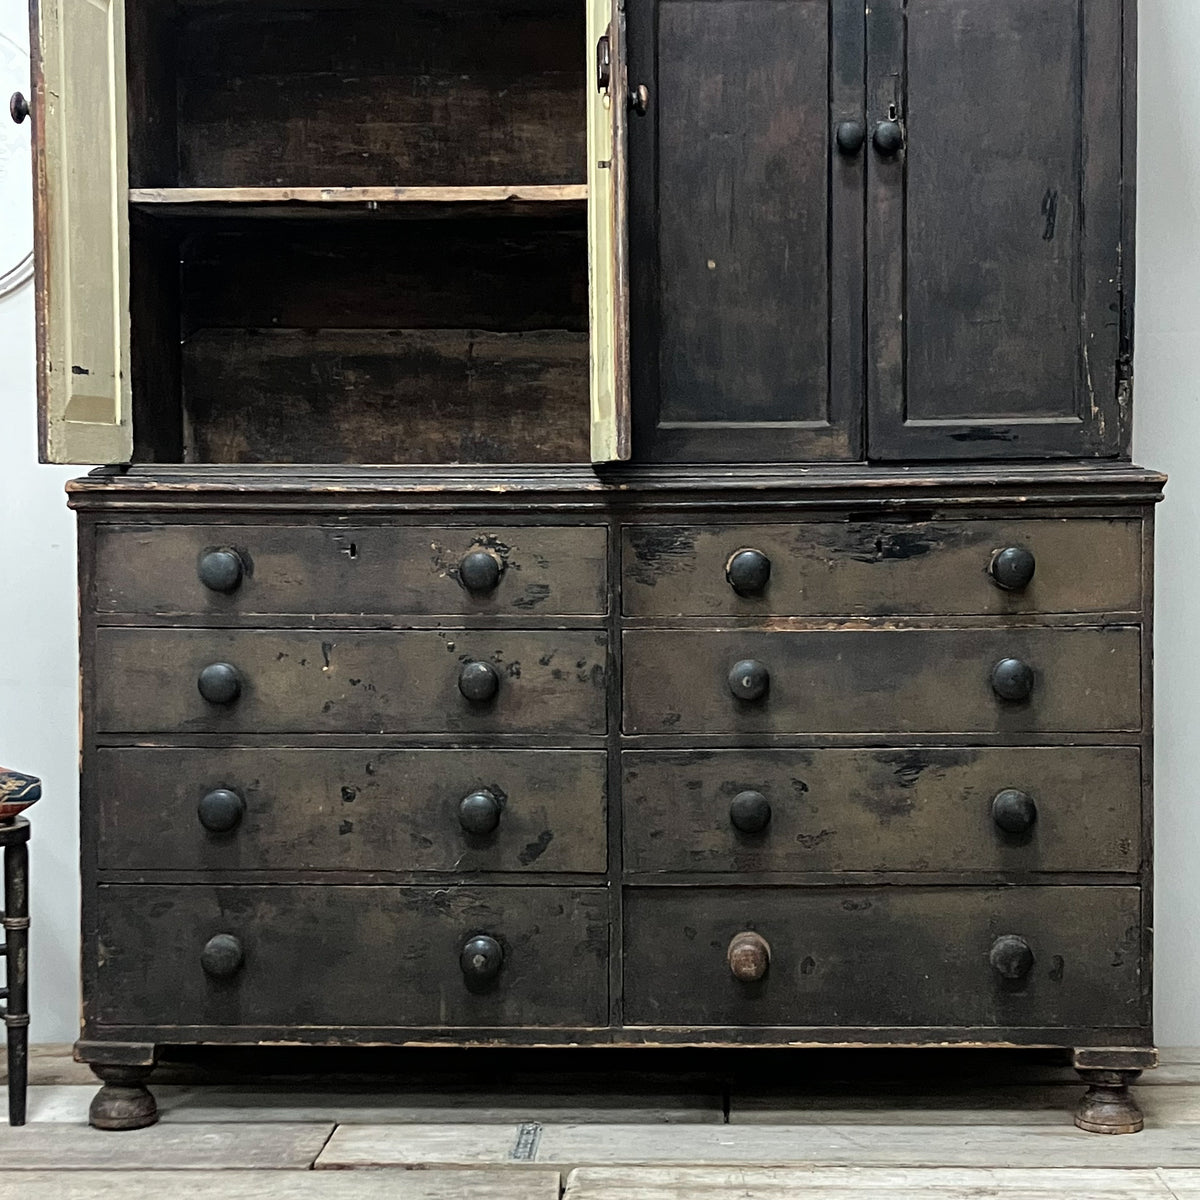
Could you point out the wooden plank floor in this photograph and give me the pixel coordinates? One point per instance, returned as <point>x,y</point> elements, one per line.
<point>817,1127</point>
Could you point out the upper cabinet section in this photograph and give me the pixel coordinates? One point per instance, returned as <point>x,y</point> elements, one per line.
<point>996,230</point>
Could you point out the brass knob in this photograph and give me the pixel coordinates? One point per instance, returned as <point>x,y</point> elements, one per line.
<point>220,683</point>
<point>749,957</point>
<point>222,956</point>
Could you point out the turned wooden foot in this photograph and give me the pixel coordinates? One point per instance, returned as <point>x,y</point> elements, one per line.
<point>124,1102</point>
<point>1109,1106</point>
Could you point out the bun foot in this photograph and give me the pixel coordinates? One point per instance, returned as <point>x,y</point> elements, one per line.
<point>124,1102</point>
<point>1108,1105</point>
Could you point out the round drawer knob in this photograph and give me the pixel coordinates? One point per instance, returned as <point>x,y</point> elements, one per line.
<point>749,957</point>
<point>478,681</point>
<point>889,138</point>
<point>220,683</point>
<point>1012,679</point>
<point>221,811</point>
<point>750,812</point>
<point>479,572</point>
<point>1014,811</point>
<point>851,137</point>
<point>221,570</point>
<point>481,959</point>
<point>1012,568</point>
<point>18,108</point>
<point>749,680</point>
<point>749,572</point>
<point>479,813</point>
<point>222,956</point>
<point>1011,957</point>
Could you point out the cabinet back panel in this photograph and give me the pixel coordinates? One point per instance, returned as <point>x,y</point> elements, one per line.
<point>318,94</point>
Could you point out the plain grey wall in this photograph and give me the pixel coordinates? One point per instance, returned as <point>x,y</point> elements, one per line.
<point>38,669</point>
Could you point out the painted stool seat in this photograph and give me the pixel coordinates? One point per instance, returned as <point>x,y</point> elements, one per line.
<point>17,792</point>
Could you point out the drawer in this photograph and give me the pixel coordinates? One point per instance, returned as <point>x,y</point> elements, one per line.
<point>880,568</point>
<point>351,810</point>
<point>887,957</point>
<point>880,680</point>
<point>301,570</point>
<point>1000,809</point>
<point>351,956</point>
<point>329,682</point>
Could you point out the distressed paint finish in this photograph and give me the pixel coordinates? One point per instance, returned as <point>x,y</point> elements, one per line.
<point>82,223</point>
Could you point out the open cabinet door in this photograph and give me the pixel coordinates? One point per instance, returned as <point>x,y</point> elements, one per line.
<point>608,243</point>
<point>81,190</point>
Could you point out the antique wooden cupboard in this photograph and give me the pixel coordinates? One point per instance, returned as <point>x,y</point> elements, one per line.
<point>616,523</point>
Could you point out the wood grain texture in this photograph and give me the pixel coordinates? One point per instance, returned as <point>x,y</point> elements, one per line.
<point>547,571</point>
<point>329,810</point>
<point>883,810</point>
<point>877,568</point>
<point>876,680</point>
<point>551,683</point>
<point>383,956</point>
<point>493,193</point>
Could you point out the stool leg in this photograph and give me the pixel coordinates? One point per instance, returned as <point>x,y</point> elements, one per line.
<point>16,1014</point>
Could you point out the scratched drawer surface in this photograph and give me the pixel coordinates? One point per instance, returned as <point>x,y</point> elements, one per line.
<point>351,810</point>
<point>324,956</point>
<point>882,681</point>
<point>229,570</point>
<point>256,681</point>
<point>994,810</point>
<point>882,568</point>
<point>885,957</point>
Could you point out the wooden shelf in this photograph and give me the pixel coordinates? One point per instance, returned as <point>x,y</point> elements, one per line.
<point>500,199</point>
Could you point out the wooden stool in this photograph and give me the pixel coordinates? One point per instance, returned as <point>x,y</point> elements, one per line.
<point>17,793</point>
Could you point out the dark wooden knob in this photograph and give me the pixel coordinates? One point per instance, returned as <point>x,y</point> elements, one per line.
<point>889,138</point>
<point>479,682</point>
<point>749,572</point>
<point>639,99</point>
<point>851,137</point>
<point>750,812</point>
<point>749,957</point>
<point>221,570</point>
<point>222,956</point>
<point>1012,568</point>
<point>1011,956</point>
<point>749,679</point>
<point>1012,679</point>
<point>479,572</point>
<point>479,813</point>
<point>1014,811</point>
<point>220,683</point>
<point>481,959</point>
<point>18,108</point>
<point>221,811</point>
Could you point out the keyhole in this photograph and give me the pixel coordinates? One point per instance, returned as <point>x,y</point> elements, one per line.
<point>893,112</point>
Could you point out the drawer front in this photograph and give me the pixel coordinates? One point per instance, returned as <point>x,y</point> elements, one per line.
<point>352,810</point>
<point>349,956</point>
<point>990,810</point>
<point>877,568</point>
<point>419,570</point>
<point>335,682</point>
<point>881,680</point>
<point>887,957</point>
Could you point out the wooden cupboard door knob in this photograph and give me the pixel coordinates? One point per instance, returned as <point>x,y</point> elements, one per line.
<point>750,812</point>
<point>749,572</point>
<point>1012,680</point>
<point>1011,957</point>
<point>749,680</point>
<point>479,813</point>
<point>222,956</point>
<point>18,108</point>
<point>1014,811</point>
<point>479,682</point>
<point>220,683</point>
<point>481,959</point>
<point>1012,568</point>
<point>479,572</point>
<point>749,957</point>
<point>221,810</point>
<point>221,570</point>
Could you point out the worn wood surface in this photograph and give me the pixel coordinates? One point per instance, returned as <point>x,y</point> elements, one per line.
<point>882,568</point>
<point>923,809</point>
<point>347,956</point>
<point>888,956</point>
<point>903,681</point>
<point>323,96</point>
<point>546,571</point>
<point>332,681</point>
<point>344,810</point>
<point>491,193</point>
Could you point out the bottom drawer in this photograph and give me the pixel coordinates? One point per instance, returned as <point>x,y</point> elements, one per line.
<point>886,957</point>
<point>314,956</point>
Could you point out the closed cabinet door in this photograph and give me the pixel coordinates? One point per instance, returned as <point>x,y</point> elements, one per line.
<point>746,228</point>
<point>995,305</point>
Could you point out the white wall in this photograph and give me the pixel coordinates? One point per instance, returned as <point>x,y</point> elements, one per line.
<point>38,680</point>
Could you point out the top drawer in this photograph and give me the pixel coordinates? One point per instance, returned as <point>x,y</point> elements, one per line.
<point>935,568</point>
<point>207,570</point>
